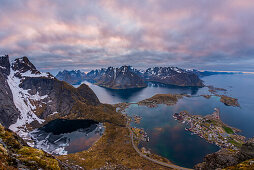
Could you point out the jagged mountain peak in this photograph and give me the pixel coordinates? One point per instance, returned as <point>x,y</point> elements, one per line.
<point>72,77</point>
<point>158,70</point>
<point>117,77</point>
<point>23,65</point>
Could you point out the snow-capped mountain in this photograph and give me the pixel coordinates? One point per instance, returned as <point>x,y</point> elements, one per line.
<point>128,77</point>
<point>29,97</point>
<point>173,76</point>
<point>117,78</point>
<point>72,77</point>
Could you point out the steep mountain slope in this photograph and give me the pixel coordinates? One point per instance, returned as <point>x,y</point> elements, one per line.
<point>8,111</point>
<point>72,77</point>
<point>172,76</point>
<point>28,96</point>
<point>117,78</point>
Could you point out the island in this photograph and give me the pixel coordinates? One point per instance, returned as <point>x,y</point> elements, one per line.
<point>228,101</point>
<point>168,99</point>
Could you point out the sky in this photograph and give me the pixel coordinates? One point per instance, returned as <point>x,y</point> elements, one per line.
<point>89,34</point>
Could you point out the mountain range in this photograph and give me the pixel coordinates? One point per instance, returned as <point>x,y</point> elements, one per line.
<point>125,77</point>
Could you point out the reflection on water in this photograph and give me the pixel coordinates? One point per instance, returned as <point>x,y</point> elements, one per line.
<point>62,136</point>
<point>169,138</point>
<point>113,96</point>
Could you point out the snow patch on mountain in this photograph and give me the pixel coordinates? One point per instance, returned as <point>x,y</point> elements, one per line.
<point>30,74</point>
<point>22,100</point>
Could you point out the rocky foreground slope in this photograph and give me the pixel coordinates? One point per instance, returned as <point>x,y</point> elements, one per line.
<point>225,158</point>
<point>16,154</point>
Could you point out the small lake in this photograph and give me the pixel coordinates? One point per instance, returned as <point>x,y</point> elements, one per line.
<point>167,137</point>
<point>61,136</point>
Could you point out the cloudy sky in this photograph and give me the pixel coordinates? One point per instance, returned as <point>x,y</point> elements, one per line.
<point>87,34</point>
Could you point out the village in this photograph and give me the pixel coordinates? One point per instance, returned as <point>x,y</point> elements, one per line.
<point>212,129</point>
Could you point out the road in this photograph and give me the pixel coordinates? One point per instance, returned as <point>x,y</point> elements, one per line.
<point>153,160</point>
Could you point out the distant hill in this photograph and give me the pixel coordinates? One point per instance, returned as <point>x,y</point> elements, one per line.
<point>210,73</point>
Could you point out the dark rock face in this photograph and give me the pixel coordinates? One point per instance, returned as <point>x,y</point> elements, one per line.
<point>71,77</point>
<point>172,76</point>
<point>5,65</point>
<point>23,65</point>
<point>224,158</point>
<point>59,96</point>
<point>8,112</point>
<point>117,78</point>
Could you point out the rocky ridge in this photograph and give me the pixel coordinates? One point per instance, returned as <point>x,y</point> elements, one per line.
<point>173,76</point>
<point>117,78</point>
<point>73,77</point>
<point>128,77</point>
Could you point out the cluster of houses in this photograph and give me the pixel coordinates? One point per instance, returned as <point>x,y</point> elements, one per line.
<point>211,130</point>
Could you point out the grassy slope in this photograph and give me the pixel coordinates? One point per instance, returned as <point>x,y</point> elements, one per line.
<point>14,153</point>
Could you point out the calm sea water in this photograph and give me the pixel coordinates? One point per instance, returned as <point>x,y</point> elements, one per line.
<point>167,137</point>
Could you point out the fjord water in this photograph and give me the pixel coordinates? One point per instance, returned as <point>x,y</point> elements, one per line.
<point>167,137</point>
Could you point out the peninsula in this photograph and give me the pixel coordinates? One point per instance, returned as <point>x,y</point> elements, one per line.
<point>212,129</point>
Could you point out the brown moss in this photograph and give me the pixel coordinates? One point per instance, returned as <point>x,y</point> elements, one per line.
<point>13,149</point>
<point>113,148</point>
<point>249,164</point>
<point>34,158</point>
